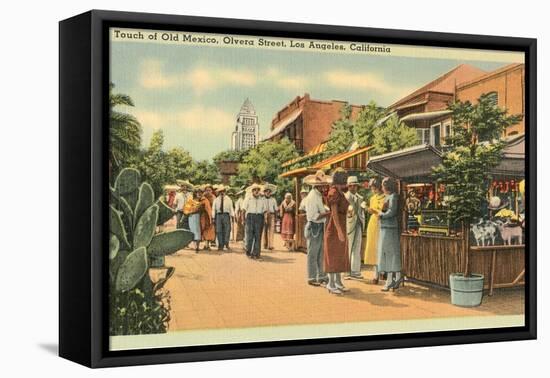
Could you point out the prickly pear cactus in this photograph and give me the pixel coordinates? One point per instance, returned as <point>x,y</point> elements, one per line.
<point>165,212</point>
<point>145,227</point>
<point>114,246</point>
<point>117,226</point>
<point>167,243</point>
<point>132,270</point>
<point>146,197</point>
<point>127,185</point>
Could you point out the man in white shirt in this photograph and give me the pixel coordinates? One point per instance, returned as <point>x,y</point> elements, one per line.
<point>269,225</point>
<point>255,207</point>
<point>316,214</point>
<point>355,222</point>
<point>222,211</point>
<point>182,197</point>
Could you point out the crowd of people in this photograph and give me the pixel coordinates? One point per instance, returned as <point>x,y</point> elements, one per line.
<point>335,221</point>
<point>208,211</point>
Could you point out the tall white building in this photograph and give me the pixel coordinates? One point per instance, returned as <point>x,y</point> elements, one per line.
<point>247,129</point>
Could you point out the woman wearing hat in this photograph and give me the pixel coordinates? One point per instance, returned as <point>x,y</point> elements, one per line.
<point>336,257</point>
<point>208,232</point>
<point>287,210</point>
<point>192,211</point>
<point>208,229</point>
<point>389,245</point>
<point>376,202</point>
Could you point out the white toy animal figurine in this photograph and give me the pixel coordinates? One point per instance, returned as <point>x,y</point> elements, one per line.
<point>509,232</point>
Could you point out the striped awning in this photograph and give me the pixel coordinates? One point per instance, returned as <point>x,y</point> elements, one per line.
<point>318,149</point>
<point>356,160</point>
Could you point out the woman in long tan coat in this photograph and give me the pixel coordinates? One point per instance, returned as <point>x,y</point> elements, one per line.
<point>208,232</point>
<point>336,257</point>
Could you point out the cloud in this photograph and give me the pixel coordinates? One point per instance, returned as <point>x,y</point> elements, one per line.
<point>195,118</point>
<point>152,75</point>
<point>202,79</point>
<point>149,119</point>
<point>275,77</point>
<point>357,80</point>
<point>204,118</point>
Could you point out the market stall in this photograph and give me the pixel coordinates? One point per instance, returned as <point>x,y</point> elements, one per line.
<point>354,161</point>
<point>432,248</point>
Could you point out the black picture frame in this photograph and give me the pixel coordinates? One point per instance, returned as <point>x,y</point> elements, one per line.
<point>83,140</point>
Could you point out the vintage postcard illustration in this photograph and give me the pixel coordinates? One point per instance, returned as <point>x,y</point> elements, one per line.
<point>269,189</point>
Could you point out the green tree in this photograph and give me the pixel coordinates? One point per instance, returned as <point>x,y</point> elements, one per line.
<point>203,172</point>
<point>180,165</point>
<point>366,123</point>
<point>229,155</point>
<point>153,164</point>
<point>263,163</point>
<point>341,135</point>
<point>475,149</point>
<point>124,130</point>
<point>392,135</point>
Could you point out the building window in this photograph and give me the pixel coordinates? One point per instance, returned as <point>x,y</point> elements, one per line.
<point>423,136</point>
<point>493,98</point>
<point>446,132</point>
<point>435,135</point>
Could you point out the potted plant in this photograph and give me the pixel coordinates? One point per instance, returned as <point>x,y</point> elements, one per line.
<point>475,149</point>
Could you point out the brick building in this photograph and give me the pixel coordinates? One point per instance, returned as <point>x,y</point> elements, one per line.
<point>426,108</point>
<point>306,121</point>
<point>506,86</point>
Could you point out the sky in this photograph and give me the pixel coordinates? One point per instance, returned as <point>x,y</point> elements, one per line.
<point>193,93</point>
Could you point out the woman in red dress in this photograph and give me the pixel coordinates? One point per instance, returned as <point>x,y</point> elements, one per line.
<point>336,257</point>
<point>287,210</point>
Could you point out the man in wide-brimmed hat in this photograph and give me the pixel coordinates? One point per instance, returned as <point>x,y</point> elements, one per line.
<point>255,208</point>
<point>316,214</point>
<point>354,226</point>
<point>269,223</point>
<point>238,235</point>
<point>223,215</point>
<point>181,198</point>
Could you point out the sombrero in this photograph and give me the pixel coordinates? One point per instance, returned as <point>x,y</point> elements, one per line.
<point>254,186</point>
<point>184,183</point>
<point>170,187</point>
<point>271,187</point>
<point>319,178</point>
<point>221,188</point>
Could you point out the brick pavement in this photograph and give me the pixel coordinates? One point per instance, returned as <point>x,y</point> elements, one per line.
<point>214,289</point>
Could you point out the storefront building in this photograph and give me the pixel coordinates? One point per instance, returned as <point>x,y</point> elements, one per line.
<point>307,122</point>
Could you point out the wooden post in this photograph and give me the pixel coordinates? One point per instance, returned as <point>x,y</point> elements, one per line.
<point>297,233</point>
<point>493,267</point>
<point>466,247</point>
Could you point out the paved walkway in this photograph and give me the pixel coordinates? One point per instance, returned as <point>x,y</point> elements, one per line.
<point>215,289</point>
